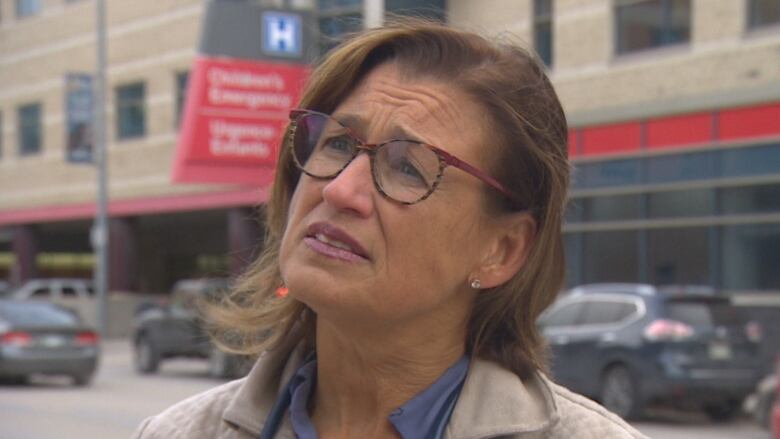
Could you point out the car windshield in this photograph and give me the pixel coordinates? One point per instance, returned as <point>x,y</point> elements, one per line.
<point>36,314</point>
<point>704,314</point>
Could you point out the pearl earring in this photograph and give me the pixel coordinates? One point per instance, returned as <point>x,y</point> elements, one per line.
<point>476,284</point>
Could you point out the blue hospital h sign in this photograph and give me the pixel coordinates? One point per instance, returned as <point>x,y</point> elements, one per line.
<point>282,34</point>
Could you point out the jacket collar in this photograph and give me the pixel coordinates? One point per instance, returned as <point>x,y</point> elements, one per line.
<point>493,401</point>
<point>256,396</point>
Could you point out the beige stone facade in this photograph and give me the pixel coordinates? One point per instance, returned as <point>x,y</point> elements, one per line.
<point>152,40</point>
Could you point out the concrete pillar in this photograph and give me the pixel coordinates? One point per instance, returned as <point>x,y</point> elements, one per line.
<point>245,239</point>
<point>25,247</point>
<point>123,255</point>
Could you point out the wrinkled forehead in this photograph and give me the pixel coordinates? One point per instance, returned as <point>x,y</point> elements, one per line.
<point>388,103</point>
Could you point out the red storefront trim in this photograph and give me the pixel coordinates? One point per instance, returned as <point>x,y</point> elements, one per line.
<point>138,206</point>
<point>699,129</point>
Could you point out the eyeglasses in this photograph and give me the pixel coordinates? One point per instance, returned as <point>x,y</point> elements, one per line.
<point>403,170</point>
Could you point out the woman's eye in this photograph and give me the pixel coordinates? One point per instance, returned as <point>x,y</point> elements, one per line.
<point>410,173</point>
<point>339,144</point>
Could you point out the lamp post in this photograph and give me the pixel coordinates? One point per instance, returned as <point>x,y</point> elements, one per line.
<point>100,234</point>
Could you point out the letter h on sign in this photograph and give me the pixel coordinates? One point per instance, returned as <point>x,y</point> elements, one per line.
<point>282,34</point>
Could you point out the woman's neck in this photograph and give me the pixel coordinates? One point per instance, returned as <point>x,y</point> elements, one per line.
<point>363,377</point>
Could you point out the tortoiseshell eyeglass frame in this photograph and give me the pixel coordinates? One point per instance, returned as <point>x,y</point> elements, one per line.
<point>445,159</point>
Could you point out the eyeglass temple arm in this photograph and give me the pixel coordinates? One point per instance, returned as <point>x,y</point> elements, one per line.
<point>458,163</point>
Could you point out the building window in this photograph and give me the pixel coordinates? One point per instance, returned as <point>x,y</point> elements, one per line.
<point>27,8</point>
<point>749,258</point>
<point>337,18</point>
<point>620,172</point>
<point>763,198</point>
<point>669,262</point>
<point>611,256</point>
<point>681,203</point>
<point>612,208</point>
<point>29,117</point>
<point>649,24</point>
<point>763,13</point>
<point>543,30</point>
<point>130,111</point>
<point>181,94</point>
<point>430,9</point>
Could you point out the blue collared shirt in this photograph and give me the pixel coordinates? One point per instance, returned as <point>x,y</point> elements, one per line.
<point>423,417</point>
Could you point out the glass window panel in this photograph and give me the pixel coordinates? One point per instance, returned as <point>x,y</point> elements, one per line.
<point>757,160</point>
<point>763,13</point>
<point>678,256</point>
<point>433,9</point>
<point>543,41</point>
<point>332,29</point>
<point>130,111</point>
<point>542,7</point>
<point>651,23</point>
<point>31,314</point>
<point>750,257</point>
<point>680,167</point>
<point>29,129</point>
<point>607,173</point>
<point>612,208</point>
<point>572,243</point>
<point>603,312</point>
<point>610,256</point>
<point>672,204</point>
<point>26,8</point>
<point>677,22</point>
<point>328,4</point>
<point>543,36</point>
<point>574,210</point>
<point>566,315</point>
<point>750,199</point>
<point>638,26</point>
<point>181,94</point>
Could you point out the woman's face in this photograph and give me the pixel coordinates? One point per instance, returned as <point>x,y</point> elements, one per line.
<point>349,252</point>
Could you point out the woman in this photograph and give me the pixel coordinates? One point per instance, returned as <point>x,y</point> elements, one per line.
<point>415,230</point>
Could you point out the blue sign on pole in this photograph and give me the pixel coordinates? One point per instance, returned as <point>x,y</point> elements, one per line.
<point>282,34</point>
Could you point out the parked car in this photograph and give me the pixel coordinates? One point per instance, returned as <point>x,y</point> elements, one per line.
<point>55,289</point>
<point>164,331</point>
<point>43,338</point>
<point>628,345</point>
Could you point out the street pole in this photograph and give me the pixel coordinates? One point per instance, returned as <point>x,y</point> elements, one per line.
<point>373,13</point>
<point>100,228</point>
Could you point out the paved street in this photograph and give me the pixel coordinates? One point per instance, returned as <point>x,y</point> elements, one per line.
<point>119,399</point>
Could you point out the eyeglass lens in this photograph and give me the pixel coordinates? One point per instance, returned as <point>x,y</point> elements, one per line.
<point>405,171</point>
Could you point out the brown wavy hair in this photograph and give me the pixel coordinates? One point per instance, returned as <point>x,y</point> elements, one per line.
<point>529,145</point>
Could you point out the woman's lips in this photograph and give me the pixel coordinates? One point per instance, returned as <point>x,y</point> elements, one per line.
<point>333,242</point>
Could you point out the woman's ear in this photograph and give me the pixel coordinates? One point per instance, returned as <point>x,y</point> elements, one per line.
<point>512,240</point>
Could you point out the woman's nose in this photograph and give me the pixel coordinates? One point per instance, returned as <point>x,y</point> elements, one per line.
<point>353,188</point>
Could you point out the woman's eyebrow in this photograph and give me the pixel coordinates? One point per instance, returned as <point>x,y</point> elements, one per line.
<point>358,125</point>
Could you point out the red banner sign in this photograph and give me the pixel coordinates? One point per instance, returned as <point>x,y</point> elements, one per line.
<point>234,119</point>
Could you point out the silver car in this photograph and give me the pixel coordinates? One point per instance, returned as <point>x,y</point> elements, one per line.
<point>43,338</point>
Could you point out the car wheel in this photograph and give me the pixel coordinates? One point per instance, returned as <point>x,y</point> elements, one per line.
<point>147,359</point>
<point>82,380</point>
<point>724,411</point>
<point>619,393</point>
<point>220,364</point>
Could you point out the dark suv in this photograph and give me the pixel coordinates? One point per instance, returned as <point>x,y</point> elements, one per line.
<point>628,345</point>
<point>176,330</point>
